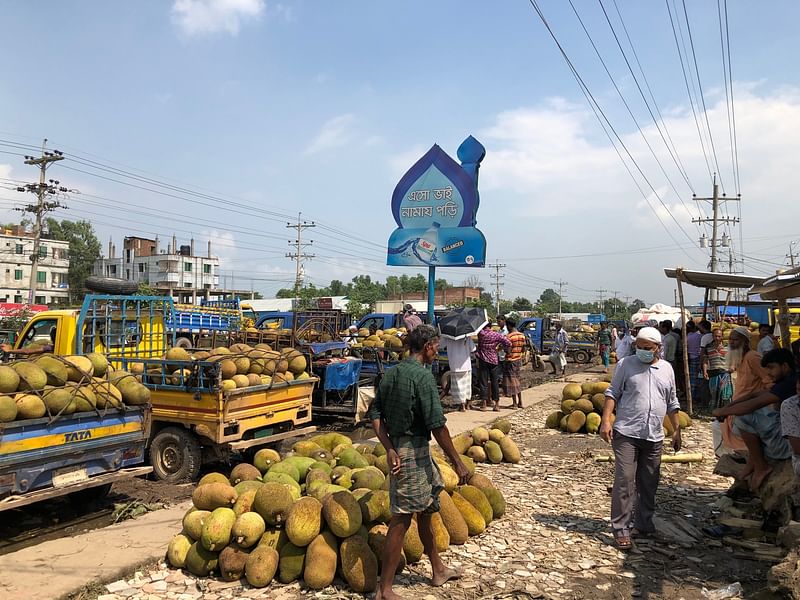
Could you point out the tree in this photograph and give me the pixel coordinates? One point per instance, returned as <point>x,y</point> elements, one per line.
<point>473,281</point>
<point>337,288</point>
<point>84,250</point>
<point>146,290</point>
<point>521,303</point>
<point>441,284</point>
<point>285,293</point>
<point>549,302</point>
<point>258,296</point>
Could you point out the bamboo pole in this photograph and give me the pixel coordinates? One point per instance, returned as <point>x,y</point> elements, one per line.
<point>687,378</point>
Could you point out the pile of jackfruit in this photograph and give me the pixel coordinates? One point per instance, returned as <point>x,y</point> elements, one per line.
<point>316,512</point>
<point>493,444</point>
<point>582,409</point>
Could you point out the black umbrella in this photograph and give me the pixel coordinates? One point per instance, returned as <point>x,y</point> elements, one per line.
<point>463,322</point>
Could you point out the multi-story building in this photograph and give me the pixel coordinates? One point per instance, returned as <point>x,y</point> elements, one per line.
<point>16,250</point>
<point>176,271</point>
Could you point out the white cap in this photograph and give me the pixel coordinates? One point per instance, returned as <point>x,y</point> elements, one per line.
<point>649,334</point>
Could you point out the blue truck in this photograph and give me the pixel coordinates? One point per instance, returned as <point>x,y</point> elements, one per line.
<point>540,332</point>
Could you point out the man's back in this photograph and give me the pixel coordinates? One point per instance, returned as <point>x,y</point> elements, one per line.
<point>408,401</point>
<point>411,321</point>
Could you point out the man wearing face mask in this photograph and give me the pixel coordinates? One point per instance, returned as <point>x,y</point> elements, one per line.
<point>642,392</point>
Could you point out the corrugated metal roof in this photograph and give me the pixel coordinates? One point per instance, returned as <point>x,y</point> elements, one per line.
<point>779,287</point>
<point>703,279</point>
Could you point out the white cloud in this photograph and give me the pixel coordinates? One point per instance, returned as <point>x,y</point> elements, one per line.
<point>335,133</point>
<point>196,17</point>
<point>400,163</point>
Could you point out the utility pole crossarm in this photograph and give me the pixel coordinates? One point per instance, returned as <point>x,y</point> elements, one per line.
<point>497,282</point>
<point>299,254</point>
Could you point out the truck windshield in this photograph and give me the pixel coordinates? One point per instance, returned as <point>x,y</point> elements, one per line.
<point>38,332</point>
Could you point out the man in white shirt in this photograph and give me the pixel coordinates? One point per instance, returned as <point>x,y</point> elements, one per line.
<point>459,357</point>
<point>766,342</point>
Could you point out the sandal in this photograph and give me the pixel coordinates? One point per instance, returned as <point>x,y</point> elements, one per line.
<point>622,539</point>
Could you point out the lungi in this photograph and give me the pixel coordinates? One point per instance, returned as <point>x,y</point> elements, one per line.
<point>416,488</point>
<point>461,386</point>
<point>511,371</point>
<point>558,359</point>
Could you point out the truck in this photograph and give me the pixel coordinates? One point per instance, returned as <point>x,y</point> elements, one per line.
<point>582,345</point>
<point>193,418</point>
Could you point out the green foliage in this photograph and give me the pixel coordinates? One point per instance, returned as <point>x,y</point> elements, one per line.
<point>84,250</point>
<point>146,290</point>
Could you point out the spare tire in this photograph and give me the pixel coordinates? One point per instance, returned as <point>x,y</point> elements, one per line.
<point>111,285</point>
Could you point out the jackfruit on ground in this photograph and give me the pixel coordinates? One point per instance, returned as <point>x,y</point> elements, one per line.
<point>575,421</point>
<point>359,565</point>
<point>217,529</point>
<point>441,537</point>
<point>285,467</point>
<point>232,561</point>
<point>214,495</point>
<point>480,481</point>
<point>495,435</point>
<point>321,561</point>
<point>493,452</point>
<point>503,425</point>
<point>510,450</point>
<point>377,540</point>
<point>351,458</point>
<point>412,544</point>
<point>453,520</point>
<point>567,406</point>
<point>304,521</point>
<point>462,442</point>
<point>193,522</point>
<point>244,486</point>
<point>244,472</point>
<point>600,387</point>
<point>369,477</point>
<point>265,458</point>
<point>261,566</point>
<point>469,464</point>
<point>471,515</point>
<point>379,450</point>
<point>668,428</point>
<point>382,463</point>
<point>374,506</point>
<point>291,562</point>
<point>305,447</point>
<point>571,391</point>
<point>178,549</point>
<point>303,464</point>
<point>274,537</point>
<point>563,424</point>
<point>478,499</point>
<point>684,419</point>
<point>496,499</point>
<point>585,406</point>
<point>480,435</point>
<point>199,561</point>
<point>553,419</point>
<point>598,401</point>
<point>273,501</point>
<point>587,387</point>
<point>248,529</point>
<point>342,514</point>
<point>477,453</point>
<point>323,465</point>
<point>448,476</point>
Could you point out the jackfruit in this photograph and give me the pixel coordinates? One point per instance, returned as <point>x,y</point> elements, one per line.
<point>244,472</point>
<point>480,435</point>
<point>274,537</point>
<point>379,450</point>
<point>495,435</point>
<point>248,529</point>
<point>563,424</point>
<point>302,463</point>
<point>317,477</point>
<point>567,406</point>
<point>452,520</point>
<point>304,521</point>
<point>297,363</point>
<point>359,565</point>
<point>571,391</point>
<point>342,514</point>
<point>99,364</point>
<point>585,406</point>
<point>382,463</point>
<point>228,385</point>
<point>575,421</point>
<point>31,376</point>
<point>286,468</point>
<point>261,566</point>
<point>214,495</point>
<point>369,477</point>
<point>593,422</point>
<point>351,458</point>
<point>412,544</point>
<point>598,401</point>
<point>587,387</point>
<point>133,392</point>
<point>469,464</point>
<point>217,528</point>
<point>273,501</point>
<point>242,365</point>
<point>291,562</point>
<point>503,425</point>
<point>441,537</point>
<point>305,447</point>
<point>553,419</point>
<point>448,476</point>
<point>472,516</point>
<point>510,450</point>
<point>57,401</point>
<point>8,409</point>
<point>321,561</point>
<point>684,419</point>
<point>57,373</point>
<point>178,549</point>
<point>107,394</point>
<point>330,440</point>
<point>241,381</point>
<point>477,453</point>
<point>85,399</point>
<point>376,538</point>
<point>9,380</point>
<point>462,442</point>
<point>265,458</point>
<point>600,387</point>
<point>493,452</point>
<point>201,562</point>
<point>232,562</point>
<point>247,485</point>
<point>321,491</point>
<point>321,465</point>
<point>79,368</point>
<point>213,477</point>
<point>478,499</point>
<point>668,428</point>
<point>193,522</point>
<point>497,501</point>
<point>338,472</point>
<point>374,506</point>
<point>480,481</point>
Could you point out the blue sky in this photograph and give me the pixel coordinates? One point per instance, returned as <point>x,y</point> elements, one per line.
<point>320,107</point>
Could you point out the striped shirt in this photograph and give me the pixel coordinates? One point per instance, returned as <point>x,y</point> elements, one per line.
<point>517,349</point>
<point>488,341</point>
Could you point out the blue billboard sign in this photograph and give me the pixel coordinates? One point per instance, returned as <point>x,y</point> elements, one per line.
<point>435,205</point>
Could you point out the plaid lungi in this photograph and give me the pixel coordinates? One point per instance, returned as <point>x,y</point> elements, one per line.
<point>695,374</point>
<point>511,377</point>
<point>721,388</point>
<point>417,487</point>
<point>461,386</point>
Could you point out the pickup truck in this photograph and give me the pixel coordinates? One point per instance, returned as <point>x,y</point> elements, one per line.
<point>384,321</point>
<point>193,420</point>
<point>581,348</point>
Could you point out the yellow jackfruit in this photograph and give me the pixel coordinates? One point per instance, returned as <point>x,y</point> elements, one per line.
<point>462,442</point>
<point>480,481</point>
<point>321,561</point>
<point>471,515</point>
<point>478,499</point>
<point>412,544</point>
<point>480,435</point>
<point>511,453</point>
<point>441,537</point>
<point>304,521</point>
<point>376,538</point>
<point>571,391</point>
<point>453,521</point>
<point>567,406</point>
<point>193,522</point>
<point>217,529</point>
<point>248,529</point>
<point>342,514</point>
<point>178,549</point>
<point>274,537</point>
<point>477,453</point>
<point>575,421</point>
<point>359,564</point>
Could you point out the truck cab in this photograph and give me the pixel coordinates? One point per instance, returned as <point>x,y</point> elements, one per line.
<point>540,332</point>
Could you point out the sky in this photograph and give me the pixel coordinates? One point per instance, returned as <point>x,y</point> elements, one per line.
<point>236,115</point>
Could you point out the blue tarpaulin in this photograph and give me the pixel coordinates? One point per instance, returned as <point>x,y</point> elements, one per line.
<point>341,375</point>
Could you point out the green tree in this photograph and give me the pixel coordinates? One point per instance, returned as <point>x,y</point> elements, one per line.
<point>549,302</point>
<point>521,303</point>
<point>84,250</point>
<point>147,290</point>
<point>337,288</point>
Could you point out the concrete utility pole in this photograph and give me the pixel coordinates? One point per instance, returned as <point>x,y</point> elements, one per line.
<point>600,302</point>
<point>792,254</point>
<point>299,254</point>
<point>498,284</point>
<point>43,189</point>
<point>561,285</point>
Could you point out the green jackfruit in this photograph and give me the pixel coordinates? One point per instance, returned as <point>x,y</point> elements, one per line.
<point>493,452</point>
<point>412,544</point>
<point>31,376</point>
<point>352,459</point>
<point>453,521</point>
<point>369,477</point>
<point>57,401</point>
<point>472,516</point>
<point>285,467</point>
<point>567,406</point>
<point>321,561</point>
<point>379,450</point>
<point>495,435</point>
<point>217,527</point>
<point>382,464</point>
<point>374,506</point>
<point>321,491</point>
<point>304,521</point>
<point>273,501</point>
<point>265,458</point>
<point>477,498</point>
<point>302,463</point>
<point>363,448</point>
<point>305,447</point>
<point>359,564</point>
<point>377,540</point>
<point>178,549</point>
<point>232,562</point>
<point>9,380</point>
<point>261,566</point>
<point>503,425</point>
<point>201,562</point>
<point>290,565</point>
<point>593,422</point>
<point>469,464</point>
<point>274,537</point>
<point>248,529</point>
<point>480,435</point>
<point>553,419</point>
<point>477,453</point>
<point>193,522</point>
<point>495,498</point>
<point>448,476</point>
<point>598,401</point>
<point>29,406</point>
<point>342,514</point>
<point>510,451</point>
<point>56,370</point>
<point>8,409</point>
<point>244,486</point>
<point>318,476</point>
<point>244,472</point>
<point>214,495</point>
<point>563,424</point>
<point>321,465</point>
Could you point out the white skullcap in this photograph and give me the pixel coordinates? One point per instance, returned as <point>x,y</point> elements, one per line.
<point>742,331</point>
<point>649,334</point>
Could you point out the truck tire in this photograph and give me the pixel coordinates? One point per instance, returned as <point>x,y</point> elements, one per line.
<point>581,356</point>
<point>183,342</point>
<point>175,455</point>
<point>111,285</point>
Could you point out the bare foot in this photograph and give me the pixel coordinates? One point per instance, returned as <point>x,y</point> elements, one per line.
<point>439,579</point>
<point>388,595</point>
<point>758,478</point>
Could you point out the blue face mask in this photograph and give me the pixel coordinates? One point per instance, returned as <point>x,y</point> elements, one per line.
<point>646,356</point>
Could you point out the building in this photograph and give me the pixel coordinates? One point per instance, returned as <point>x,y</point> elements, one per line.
<point>447,297</point>
<point>177,271</point>
<point>16,250</point>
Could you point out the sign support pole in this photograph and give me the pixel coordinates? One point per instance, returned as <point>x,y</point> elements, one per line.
<point>431,292</point>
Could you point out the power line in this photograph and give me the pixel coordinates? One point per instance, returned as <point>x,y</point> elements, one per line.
<point>498,283</point>
<point>299,254</point>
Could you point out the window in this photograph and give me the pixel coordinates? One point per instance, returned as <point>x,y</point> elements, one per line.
<point>206,269</point>
<point>40,300</point>
<point>187,267</point>
<point>18,299</point>
<point>42,251</point>
<point>141,267</point>
<point>112,269</point>
<point>19,249</point>
<point>38,331</point>
<point>18,274</point>
<point>41,277</point>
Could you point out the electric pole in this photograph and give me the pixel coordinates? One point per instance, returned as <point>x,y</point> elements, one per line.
<point>614,306</point>
<point>561,285</point>
<point>792,254</point>
<point>600,302</point>
<point>42,190</point>
<point>299,254</point>
<point>498,284</point>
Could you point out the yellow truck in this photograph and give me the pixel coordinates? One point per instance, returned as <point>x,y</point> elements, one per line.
<point>194,419</point>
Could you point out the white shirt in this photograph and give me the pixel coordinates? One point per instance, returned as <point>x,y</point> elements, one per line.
<point>624,346</point>
<point>765,344</point>
<point>707,339</point>
<point>458,353</point>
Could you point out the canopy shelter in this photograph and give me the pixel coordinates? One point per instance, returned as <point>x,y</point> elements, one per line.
<point>709,281</point>
<point>781,288</point>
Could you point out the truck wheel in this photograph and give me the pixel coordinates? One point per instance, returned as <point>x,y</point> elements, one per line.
<point>183,342</point>
<point>110,285</point>
<point>581,357</point>
<point>175,455</point>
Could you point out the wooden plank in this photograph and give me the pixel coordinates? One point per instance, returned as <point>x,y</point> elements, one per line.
<point>740,523</point>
